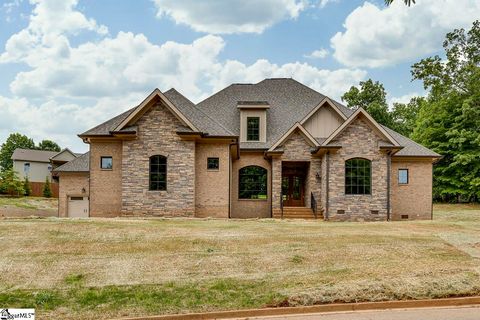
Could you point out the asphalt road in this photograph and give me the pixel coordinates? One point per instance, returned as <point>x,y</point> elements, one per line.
<point>444,313</point>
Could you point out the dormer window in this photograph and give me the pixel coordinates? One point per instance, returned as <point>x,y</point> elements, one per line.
<point>253,120</point>
<point>253,128</point>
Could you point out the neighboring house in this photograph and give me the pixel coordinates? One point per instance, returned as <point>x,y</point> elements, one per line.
<point>272,149</point>
<point>37,166</point>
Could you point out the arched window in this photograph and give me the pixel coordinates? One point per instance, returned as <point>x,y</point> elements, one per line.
<point>252,183</point>
<point>158,173</point>
<point>358,176</point>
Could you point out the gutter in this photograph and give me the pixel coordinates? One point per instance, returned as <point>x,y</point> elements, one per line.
<point>389,164</point>
<point>327,185</point>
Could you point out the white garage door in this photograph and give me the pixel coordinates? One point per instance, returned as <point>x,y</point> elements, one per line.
<point>78,207</point>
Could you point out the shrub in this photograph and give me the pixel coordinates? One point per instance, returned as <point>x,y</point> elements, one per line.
<point>10,183</point>
<point>27,189</point>
<point>47,190</point>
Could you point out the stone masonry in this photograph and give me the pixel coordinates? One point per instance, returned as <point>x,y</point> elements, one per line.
<point>358,140</point>
<point>157,136</point>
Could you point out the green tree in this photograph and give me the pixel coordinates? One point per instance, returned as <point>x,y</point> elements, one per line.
<point>47,190</point>
<point>449,121</point>
<point>27,189</point>
<point>14,141</point>
<point>48,145</point>
<point>405,115</point>
<point>372,97</point>
<point>10,183</point>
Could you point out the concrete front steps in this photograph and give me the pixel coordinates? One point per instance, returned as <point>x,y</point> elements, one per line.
<point>296,213</point>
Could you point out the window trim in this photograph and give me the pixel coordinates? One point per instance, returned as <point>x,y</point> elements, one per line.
<point>370,178</point>
<point>150,173</point>
<point>398,176</point>
<point>240,181</point>
<point>258,128</point>
<point>218,163</point>
<point>26,165</point>
<point>101,162</point>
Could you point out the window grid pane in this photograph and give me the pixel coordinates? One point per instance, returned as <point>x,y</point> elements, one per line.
<point>158,173</point>
<point>253,128</point>
<point>357,176</point>
<point>252,183</point>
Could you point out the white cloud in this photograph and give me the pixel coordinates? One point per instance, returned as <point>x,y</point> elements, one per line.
<point>404,98</point>
<point>317,54</point>
<point>323,3</point>
<point>233,16</point>
<point>380,36</point>
<point>68,89</point>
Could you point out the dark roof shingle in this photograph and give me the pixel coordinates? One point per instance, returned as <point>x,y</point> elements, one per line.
<point>79,164</point>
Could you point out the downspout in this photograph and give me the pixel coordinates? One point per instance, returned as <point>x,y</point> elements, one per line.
<point>327,158</point>
<point>389,160</point>
<point>230,159</point>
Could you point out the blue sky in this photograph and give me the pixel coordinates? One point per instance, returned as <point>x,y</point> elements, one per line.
<point>67,65</point>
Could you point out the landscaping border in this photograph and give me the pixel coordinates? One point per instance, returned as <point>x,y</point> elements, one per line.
<point>334,307</point>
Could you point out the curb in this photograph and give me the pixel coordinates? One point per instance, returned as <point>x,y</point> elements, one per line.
<point>335,307</point>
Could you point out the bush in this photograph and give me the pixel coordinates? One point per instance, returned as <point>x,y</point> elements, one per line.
<point>47,190</point>
<point>10,183</point>
<point>26,187</point>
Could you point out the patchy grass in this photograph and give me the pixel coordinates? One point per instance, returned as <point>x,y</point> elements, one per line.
<point>27,206</point>
<point>104,268</point>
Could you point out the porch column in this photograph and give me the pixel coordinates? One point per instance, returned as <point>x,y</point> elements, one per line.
<point>276,183</point>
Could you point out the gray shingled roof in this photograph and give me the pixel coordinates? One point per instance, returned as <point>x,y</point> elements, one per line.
<point>410,147</point>
<point>79,164</point>
<point>199,119</point>
<point>33,155</point>
<point>290,101</point>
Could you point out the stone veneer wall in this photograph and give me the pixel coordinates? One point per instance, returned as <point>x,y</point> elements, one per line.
<point>211,186</point>
<point>157,136</point>
<point>415,198</point>
<point>358,140</point>
<point>105,184</point>
<point>296,149</point>
<point>71,184</point>
<point>255,208</point>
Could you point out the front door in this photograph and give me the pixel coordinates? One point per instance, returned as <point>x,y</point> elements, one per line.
<point>292,189</point>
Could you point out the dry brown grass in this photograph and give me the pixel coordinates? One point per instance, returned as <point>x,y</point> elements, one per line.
<point>302,262</point>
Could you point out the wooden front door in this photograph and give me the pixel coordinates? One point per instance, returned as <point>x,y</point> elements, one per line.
<point>292,189</point>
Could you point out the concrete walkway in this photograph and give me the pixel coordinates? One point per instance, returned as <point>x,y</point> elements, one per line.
<point>439,313</point>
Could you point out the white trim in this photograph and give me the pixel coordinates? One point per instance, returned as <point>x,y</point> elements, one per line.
<point>169,105</point>
<point>321,104</point>
<point>369,118</point>
<point>297,125</point>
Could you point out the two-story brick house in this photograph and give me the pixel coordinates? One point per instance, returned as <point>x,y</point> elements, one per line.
<point>272,149</point>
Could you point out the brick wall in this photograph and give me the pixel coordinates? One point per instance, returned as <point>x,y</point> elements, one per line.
<point>242,208</point>
<point>105,185</point>
<point>157,136</point>
<point>358,140</point>
<point>415,198</point>
<point>211,186</point>
<point>71,184</point>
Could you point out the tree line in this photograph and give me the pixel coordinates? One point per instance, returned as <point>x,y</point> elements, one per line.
<point>446,120</point>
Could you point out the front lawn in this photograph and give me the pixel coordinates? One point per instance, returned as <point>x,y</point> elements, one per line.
<point>103,268</point>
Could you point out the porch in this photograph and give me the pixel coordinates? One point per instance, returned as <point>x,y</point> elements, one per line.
<point>297,200</point>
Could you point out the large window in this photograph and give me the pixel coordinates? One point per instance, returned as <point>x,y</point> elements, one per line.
<point>358,176</point>
<point>252,183</point>
<point>158,173</point>
<point>253,128</point>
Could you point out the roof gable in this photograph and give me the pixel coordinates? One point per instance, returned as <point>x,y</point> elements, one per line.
<point>148,103</point>
<point>296,127</point>
<point>61,155</point>
<point>374,124</point>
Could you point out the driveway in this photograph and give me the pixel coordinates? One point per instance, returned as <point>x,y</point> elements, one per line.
<point>446,313</point>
